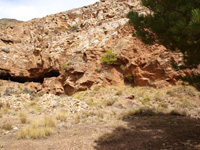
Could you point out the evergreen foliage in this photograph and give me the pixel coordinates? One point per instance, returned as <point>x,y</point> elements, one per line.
<point>173,23</point>
<point>109,58</point>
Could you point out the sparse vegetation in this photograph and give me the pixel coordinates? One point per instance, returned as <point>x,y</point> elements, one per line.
<point>23,117</point>
<point>35,106</point>
<point>38,129</point>
<point>119,92</point>
<point>146,101</point>
<point>96,88</point>
<point>5,109</point>
<point>92,103</point>
<point>109,102</point>
<point>6,125</point>
<point>104,107</point>
<point>61,116</point>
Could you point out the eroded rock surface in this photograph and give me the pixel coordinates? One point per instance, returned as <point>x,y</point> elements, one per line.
<point>63,52</point>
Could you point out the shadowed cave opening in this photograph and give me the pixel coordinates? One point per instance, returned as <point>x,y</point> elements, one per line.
<point>23,79</point>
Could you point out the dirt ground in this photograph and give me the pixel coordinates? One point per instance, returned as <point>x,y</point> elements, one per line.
<point>115,118</point>
<point>141,133</point>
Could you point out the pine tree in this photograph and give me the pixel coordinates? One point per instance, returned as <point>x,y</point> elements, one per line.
<point>174,24</point>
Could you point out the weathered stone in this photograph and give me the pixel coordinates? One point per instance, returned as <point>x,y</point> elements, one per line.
<point>5,49</point>
<point>64,50</point>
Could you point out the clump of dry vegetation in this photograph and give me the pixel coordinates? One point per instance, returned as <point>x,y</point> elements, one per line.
<point>61,116</point>
<point>34,106</point>
<point>23,117</point>
<point>38,129</point>
<point>6,125</point>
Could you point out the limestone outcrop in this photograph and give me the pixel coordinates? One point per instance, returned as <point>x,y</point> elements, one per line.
<point>62,52</point>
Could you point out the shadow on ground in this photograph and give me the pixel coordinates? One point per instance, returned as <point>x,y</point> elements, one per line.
<point>153,133</point>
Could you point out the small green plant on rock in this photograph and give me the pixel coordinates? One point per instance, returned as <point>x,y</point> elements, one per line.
<point>98,70</point>
<point>3,72</point>
<point>64,66</point>
<point>73,28</point>
<point>109,58</point>
<point>123,67</point>
<point>129,77</point>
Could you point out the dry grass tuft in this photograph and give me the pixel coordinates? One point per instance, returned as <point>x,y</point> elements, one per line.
<point>35,133</point>
<point>23,117</point>
<point>61,116</point>
<point>77,118</point>
<point>96,88</point>
<point>109,102</point>
<point>6,125</point>
<point>93,103</point>
<point>5,109</point>
<point>119,92</point>
<point>35,106</point>
<point>38,129</point>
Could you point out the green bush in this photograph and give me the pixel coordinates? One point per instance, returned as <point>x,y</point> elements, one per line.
<point>109,58</point>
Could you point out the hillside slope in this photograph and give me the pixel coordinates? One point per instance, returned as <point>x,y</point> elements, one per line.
<point>62,53</point>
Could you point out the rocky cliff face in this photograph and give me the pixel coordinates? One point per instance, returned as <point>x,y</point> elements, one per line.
<point>62,53</point>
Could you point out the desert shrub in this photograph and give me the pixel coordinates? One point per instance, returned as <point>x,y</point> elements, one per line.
<point>109,58</point>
